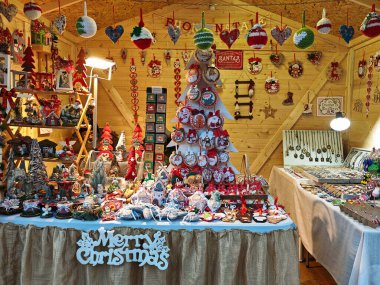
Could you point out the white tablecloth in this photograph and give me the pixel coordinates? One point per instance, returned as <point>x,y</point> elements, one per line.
<point>349,250</point>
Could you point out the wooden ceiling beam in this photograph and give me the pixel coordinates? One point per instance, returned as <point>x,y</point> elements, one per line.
<point>52,6</point>
<point>365,3</point>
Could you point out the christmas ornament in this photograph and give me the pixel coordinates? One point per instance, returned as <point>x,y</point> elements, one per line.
<point>184,114</point>
<point>304,37</point>
<point>194,94</point>
<point>203,38</point>
<point>211,74</point>
<point>207,175</point>
<point>114,33</point>
<point>178,135</point>
<point>212,157</point>
<point>203,56</point>
<point>185,56</point>
<point>376,95</point>
<point>272,85</point>
<point>214,120</point>
<point>229,175</point>
<point>86,26</point>
<point>167,56</point>
<point>251,89</point>
<point>5,39</point>
<point>257,37</point>
<point>174,31</point>
<point>314,57</point>
<point>28,65</point>
<point>198,119</point>
<point>347,32</point>
<point>276,58</point>
<point>254,65</point>
<point>229,36</point>
<point>376,62</point>
<point>192,136</point>
<point>268,111</point>
<point>8,10</point>
<point>177,80</point>
<point>324,24</point>
<point>218,176</point>
<point>223,156</point>
<point>358,105</point>
<point>193,75</point>
<point>32,10</point>
<point>18,46</point>
<point>334,71</point>
<point>202,159</point>
<point>190,159</point>
<point>369,84</point>
<point>141,36</point>
<point>154,68</point>
<point>282,33</point>
<point>222,139</point>
<point>207,140</point>
<point>123,55</point>
<point>208,97</point>
<point>134,92</point>
<point>295,68</point>
<point>362,68</point>
<point>142,57</point>
<point>371,24</point>
<point>60,23</point>
<point>289,100</point>
<point>176,158</point>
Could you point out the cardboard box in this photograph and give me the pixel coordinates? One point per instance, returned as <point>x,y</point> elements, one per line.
<point>150,108</point>
<point>150,138</point>
<point>160,128</point>
<point>161,98</point>
<point>149,147</point>
<point>150,118</point>
<point>161,108</point>
<point>150,128</point>
<point>160,138</point>
<point>160,118</point>
<point>150,98</point>
<point>159,148</point>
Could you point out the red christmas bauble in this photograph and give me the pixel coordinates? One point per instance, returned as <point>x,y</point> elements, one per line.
<point>257,37</point>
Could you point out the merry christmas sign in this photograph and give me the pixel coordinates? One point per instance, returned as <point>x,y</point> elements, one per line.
<point>229,59</point>
<point>118,249</point>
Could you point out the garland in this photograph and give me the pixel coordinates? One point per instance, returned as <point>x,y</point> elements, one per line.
<point>177,81</point>
<point>369,85</point>
<point>134,89</point>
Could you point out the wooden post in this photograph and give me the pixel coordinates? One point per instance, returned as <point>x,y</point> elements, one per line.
<point>350,90</point>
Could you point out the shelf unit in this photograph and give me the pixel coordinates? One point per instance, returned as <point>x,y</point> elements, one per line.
<point>14,129</point>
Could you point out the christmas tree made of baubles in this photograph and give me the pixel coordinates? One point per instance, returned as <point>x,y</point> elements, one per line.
<point>202,144</point>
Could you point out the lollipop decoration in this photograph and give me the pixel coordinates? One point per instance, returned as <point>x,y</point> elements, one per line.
<point>324,24</point>
<point>141,36</point>
<point>304,37</point>
<point>203,38</point>
<point>257,37</point>
<point>371,24</point>
<point>86,26</point>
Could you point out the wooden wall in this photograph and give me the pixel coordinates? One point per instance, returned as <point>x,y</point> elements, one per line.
<point>249,136</point>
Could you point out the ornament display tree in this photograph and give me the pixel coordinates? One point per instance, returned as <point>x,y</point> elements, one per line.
<point>214,116</point>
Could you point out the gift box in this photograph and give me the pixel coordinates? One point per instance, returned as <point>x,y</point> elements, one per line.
<point>160,128</point>
<point>160,118</point>
<point>159,148</point>
<point>150,98</point>
<point>149,156</point>
<point>161,98</point>
<point>151,108</point>
<point>159,157</point>
<point>161,108</point>
<point>160,138</point>
<point>150,118</point>
<point>150,127</point>
<point>150,138</point>
<point>149,147</point>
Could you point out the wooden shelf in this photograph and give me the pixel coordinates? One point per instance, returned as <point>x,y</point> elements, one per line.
<point>49,159</point>
<point>41,126</point>
<point>41,48</point>
<point>34,91</point>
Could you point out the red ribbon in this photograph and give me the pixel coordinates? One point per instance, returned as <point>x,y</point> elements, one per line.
<point>7,97</point>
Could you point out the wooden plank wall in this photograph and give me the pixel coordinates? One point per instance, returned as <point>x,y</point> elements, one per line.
<point>248,136</point>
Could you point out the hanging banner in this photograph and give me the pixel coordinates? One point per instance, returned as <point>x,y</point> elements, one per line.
<point>229,59</point>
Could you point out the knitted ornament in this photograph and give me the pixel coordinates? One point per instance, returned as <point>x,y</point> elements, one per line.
<point>174,31</point>
<point>324,24</point>
<point>314,57</point>
<point>203,38</point>
<point>272,85</point>
<point>334,71</point>
<point>86,26</point>
<point>229,36</point>
<point>254,65</point>
<point>304,37</point>
<point>207,140</point>
<point>211,74</point>
<point>32,10</point>
<point>371,24</point>
<point>276,58</point>
<point>114,32</point>
<point>347,32</point>
<point>193,94</point>
<point>203,55</point>
<point>282,33</point>
<point>257,37</point>
<point>202,159</point>
<point>141,36</point>
<point>208,97</point>
<point>60,23</point>
<point>9,11</point>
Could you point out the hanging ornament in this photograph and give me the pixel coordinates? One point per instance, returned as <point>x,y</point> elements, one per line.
<point>202,159</point>
<point>222,139</point>
<point>203,56</point>
<point>324,24</point>
<point>208,98</point>
<point>371,24</point>
<point>190,159</point>
<point>8,10</point>
<point>282,33</point>
<point>229,36</point>
<point>174,31</point>
<point>178,135</point>
<point>362,67</point>
<point>192,136</point>
<point>212,157</point>
<point>358,106</point>
<point>193,75</point>
<point>176,158</point>
<point>18,46</point>
<point>198,119</point>
<point>207,140</point>
<point>32,10</point>
<point>203,38</point>
<point>308,107</point>
<point>304,37</point>
<point>141,36</point>
<point>254,65</point>
<point>154,68</point>
<point>257,37</point>
<point>177,80</point>
<point>314,57</point>
<point>185,56</point>
<point>269,111</point>
<point>211,74</point>
<point>123,55</point>
<point>215,120</point>
<point>86,26</point>
<point>369,84</point>
<point>276,58</point>
<point>376,63</point>
<point>193,94</point>
<point>142,57</point>
<point>114,32</point>
<point>376,95</point>
<point>289,99</point>
<point>167,56</point>
<point>295,68</point>
<point>272,85</point>
<point>334,71</point>
<point>60,21</point>
<point>223,157</point>
<point>346,31</point>
<point>184,114</point>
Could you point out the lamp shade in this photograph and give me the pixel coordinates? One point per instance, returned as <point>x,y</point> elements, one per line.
<point>340,123</point>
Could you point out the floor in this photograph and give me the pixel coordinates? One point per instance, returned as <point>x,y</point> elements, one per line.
<point>315,275</point>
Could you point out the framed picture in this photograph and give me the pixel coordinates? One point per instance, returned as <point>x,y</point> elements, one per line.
<point>328,106</point>
<point>5,75</point>
<point>64,81</point>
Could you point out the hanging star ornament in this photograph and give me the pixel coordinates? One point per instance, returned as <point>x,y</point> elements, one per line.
<point>268,111</point>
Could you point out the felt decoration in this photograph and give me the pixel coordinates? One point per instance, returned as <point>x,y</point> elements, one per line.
<point>289,100</point>
<point>8,10</point>
<point>190,159</point>
<point>202,159</point>
<point>276,58</point>
<point>215,120</point>
<point>177,80</point>
<point>198,119</point>
<point>295,68</point>
<point>346,31</point>
<point>281,33</point>
<point>176,158</point>
<point>114,33</point>
<point>203,38</point>
<point>178,135</point>
<point>203,55</point>
<point>123,55</point>
<point>193,75</point>
<point>212,157</point>
<point>257,37</point>
<point>174,31</point>
<point>60,21</point>
<point>371,24</point>
<point>376,63</point>
<point>272,85</point>
<point>184,114</point>
<point>208,97</point>
<point>334,71</point>
<point>223,156</point>
<point>362,68</point>
<point>32,10</point>
<point>142,57</point>
<point>185,56</point>
<point>222,139</point>
<point>86,26</point>
<point>304,37</point>
<point>229,175</point>
<point>207,175</point>
<point>314,57</point>
<point>207,140</point>
<point>194,94</point>
<point>79,78</point>
<point>268,111</point>
<point>192,136</point>
<point>254,65</point>
<point>154,68</point>
<point>141,36</point>
<point>211,74</point>
<point>229,36</point>
<point>167,56</point>
<point>28,65</point>
<point>369,84</point>
<point>324,24</point>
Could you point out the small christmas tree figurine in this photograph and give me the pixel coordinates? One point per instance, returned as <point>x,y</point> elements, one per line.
<point>28,65</point>
<point>98,176</point>
<point>105,148</point>
<point>37,168</point>
<point>137,140</point>
<point>79,80</point>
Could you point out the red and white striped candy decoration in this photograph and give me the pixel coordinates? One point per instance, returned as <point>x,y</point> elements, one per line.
<point>257,37</point>
<point>371,24</point>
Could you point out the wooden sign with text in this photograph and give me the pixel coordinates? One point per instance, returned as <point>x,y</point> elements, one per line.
<point>229,59</point>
